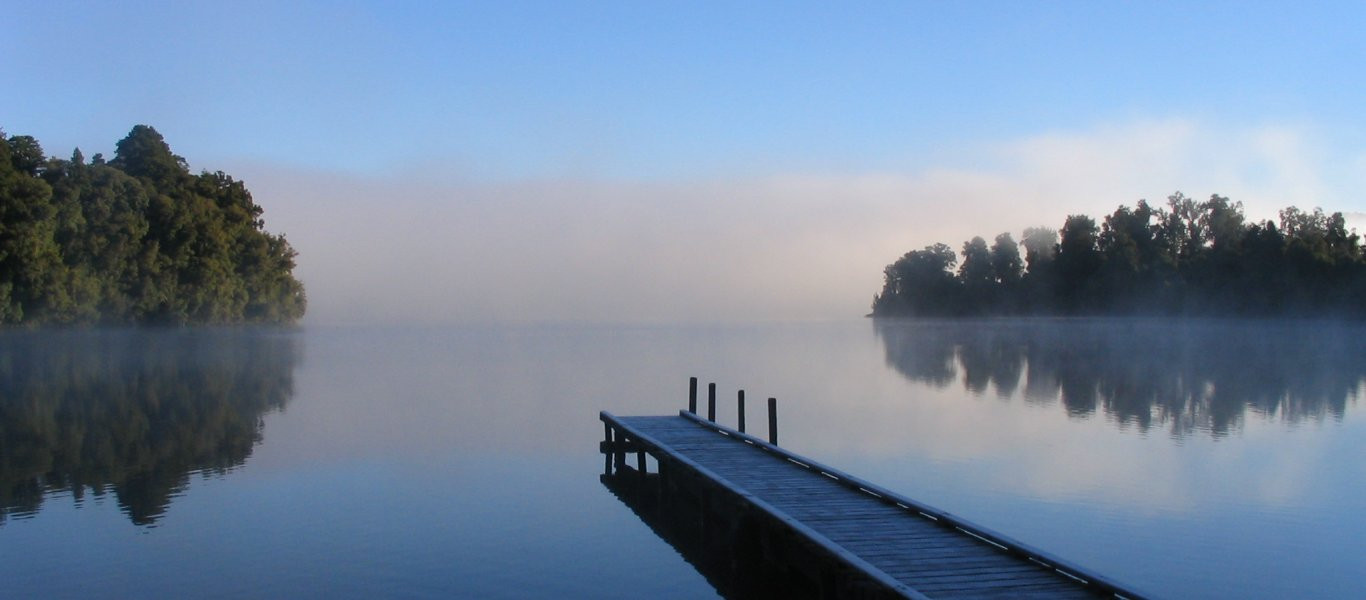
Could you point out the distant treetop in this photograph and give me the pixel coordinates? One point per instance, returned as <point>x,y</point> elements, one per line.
<point>137,239</point>
<point>1189,258</point>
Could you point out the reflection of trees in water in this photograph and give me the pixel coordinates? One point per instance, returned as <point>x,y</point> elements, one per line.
<point>1183,375</point>
<point>132,412</point>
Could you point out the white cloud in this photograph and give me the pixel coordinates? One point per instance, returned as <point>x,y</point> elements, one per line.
<point>782,246</point>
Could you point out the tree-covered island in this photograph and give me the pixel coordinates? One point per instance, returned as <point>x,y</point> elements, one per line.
<point>135,240</point>
<point>1189,258</point>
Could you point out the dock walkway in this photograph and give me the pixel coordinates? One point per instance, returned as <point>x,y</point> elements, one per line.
<point>880,544</point>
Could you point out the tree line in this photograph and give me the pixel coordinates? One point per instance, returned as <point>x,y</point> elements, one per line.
<point>136,239</point>
<point>1187,258</point>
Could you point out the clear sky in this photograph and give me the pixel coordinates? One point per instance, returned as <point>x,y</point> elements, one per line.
<point>649,161</point>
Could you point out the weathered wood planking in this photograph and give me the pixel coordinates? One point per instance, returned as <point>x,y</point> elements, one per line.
<point>899,546</point>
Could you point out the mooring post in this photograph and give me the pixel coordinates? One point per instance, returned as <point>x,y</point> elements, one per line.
<point>692,395</point>
<point>711,402</point>
<point>741,402</point>
<point>773,421</point>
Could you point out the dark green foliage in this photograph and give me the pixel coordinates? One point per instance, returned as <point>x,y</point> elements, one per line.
<point>26,155</point>
<point>922,282</point>
<point>144,154</point>
<point>1199,258</point>
<point>138,239</point>
<point>1078,262</point>
<point>977,275</point>
<point>1006,266</point>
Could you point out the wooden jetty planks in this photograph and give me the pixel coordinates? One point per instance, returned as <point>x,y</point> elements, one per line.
<point>915,550</point>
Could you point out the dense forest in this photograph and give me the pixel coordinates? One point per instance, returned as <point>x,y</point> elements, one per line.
<point>136,239</point>
<point>1189,258</point>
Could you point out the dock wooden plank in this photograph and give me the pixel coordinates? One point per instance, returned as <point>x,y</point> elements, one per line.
<point>895,544</point>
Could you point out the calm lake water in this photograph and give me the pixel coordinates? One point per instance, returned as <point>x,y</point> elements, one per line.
<point>1188,459</point>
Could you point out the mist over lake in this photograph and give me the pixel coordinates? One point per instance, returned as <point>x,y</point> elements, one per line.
<point>462,461</point>
<point>329,299</point>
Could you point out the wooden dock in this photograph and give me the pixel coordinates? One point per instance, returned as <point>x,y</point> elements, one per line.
<point>811,530</point>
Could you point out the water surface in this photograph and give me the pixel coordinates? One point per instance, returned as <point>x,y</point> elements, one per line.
<point>1190,459</point>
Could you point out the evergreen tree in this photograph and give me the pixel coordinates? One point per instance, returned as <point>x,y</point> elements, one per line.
<point>1078,261</point>
<point>1006,267</point>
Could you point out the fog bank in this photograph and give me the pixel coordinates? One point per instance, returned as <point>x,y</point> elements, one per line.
<point>426,246</point>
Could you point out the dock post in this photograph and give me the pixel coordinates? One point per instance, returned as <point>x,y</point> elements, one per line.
<point>692,395</point>
<point>741,402</point>
<point>773,421</point>
<point>607,456</point>
<point>711,402</point>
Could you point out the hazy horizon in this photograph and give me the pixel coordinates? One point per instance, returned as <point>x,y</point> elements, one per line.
<point>646,164</point>
<point>785,246</point>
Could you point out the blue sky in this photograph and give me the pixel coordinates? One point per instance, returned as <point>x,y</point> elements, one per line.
<point>1036,104</point>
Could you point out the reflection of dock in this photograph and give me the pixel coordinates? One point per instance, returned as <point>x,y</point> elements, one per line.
<point>680,523</point>
<point>757,520</point>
